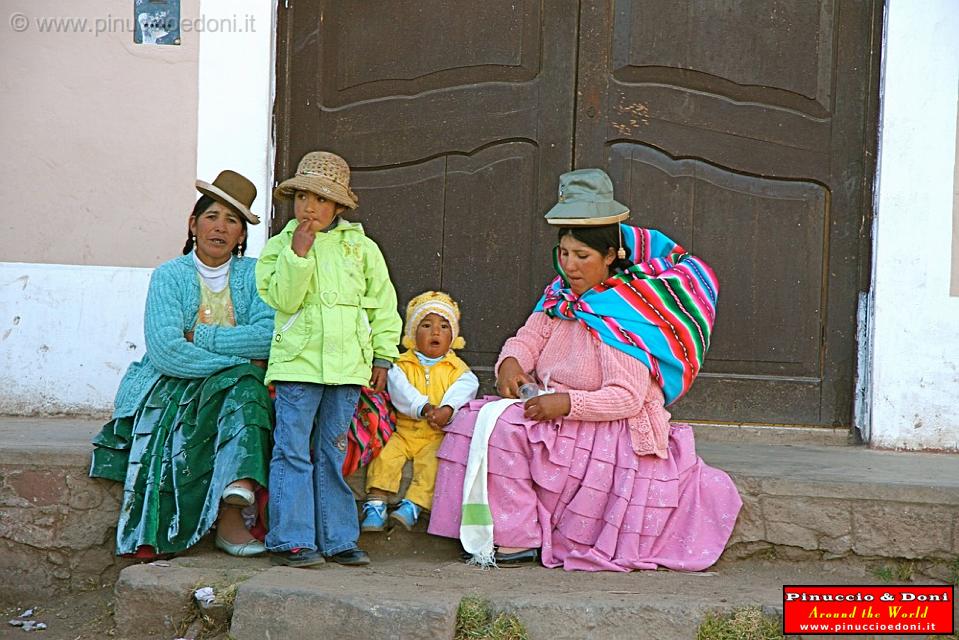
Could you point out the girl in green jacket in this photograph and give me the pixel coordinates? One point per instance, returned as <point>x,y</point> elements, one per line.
<point>336,330</point>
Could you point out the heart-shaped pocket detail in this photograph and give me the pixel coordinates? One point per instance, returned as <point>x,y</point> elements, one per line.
<point>329,298</point>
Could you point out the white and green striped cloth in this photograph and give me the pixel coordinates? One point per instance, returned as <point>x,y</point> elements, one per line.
<point>476,526</point>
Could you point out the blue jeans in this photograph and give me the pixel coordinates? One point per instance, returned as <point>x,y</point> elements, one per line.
<point>311,506</point>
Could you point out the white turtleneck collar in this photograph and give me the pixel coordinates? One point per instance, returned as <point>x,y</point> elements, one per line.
<point>216,278</point>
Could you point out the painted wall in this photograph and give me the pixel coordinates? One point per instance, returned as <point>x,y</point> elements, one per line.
<point>67,334</point>
<point>955,218</point>
<point>236,102</point>
<point>101,150</point>
<point>99,136</point>
<point>915,341</point>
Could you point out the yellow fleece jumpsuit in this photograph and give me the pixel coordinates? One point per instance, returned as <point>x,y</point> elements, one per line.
<point>414,439</point>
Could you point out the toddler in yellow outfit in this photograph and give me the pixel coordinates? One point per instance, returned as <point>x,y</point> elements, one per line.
<point>427,384</point>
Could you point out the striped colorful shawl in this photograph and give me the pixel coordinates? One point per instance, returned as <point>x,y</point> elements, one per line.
<point>661,310</point>
<point>373,423</point>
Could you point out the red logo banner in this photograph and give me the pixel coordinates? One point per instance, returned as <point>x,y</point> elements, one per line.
<point>869,609</point>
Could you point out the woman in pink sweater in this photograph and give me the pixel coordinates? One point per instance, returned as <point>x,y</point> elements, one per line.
<point>591,475</point>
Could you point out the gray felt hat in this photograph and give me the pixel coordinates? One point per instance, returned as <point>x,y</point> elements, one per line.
<point>586,200</point>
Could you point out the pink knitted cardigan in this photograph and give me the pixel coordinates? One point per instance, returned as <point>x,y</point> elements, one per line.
<point>604,384</point>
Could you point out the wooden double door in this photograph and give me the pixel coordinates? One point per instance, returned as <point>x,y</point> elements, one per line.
<point>744,129</point>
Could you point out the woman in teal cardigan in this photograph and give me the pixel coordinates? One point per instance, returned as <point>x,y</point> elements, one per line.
<point>190,434</point>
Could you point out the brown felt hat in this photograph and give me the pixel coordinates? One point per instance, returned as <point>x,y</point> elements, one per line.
<point>232,190</point>
<point>323,173</point>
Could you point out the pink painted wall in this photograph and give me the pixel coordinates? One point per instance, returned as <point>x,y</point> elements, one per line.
<point>98,137</point>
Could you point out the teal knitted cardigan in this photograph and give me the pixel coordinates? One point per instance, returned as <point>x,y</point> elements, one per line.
<point>173,300</point>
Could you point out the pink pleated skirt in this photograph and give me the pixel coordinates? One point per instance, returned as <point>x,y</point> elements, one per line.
<point>579,492</point>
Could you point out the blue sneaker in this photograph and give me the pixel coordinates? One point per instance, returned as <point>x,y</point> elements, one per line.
<point>406,514</point>
<point>374,515</point>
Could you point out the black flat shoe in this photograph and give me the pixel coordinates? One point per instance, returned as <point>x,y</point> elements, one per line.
<point>351,558</point>
<point>298,558</point>
<point>526,556</point>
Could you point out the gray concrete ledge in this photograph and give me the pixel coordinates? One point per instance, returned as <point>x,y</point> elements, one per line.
<point>57,525</point>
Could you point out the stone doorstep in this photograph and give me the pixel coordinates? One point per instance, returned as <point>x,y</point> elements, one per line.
<point>56,523</point>
<point>415,598</point>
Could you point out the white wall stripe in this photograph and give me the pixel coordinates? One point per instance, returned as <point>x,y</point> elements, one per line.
<point>235,110</point>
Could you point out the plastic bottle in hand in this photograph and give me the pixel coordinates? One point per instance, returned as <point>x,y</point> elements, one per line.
<point>528,390</point>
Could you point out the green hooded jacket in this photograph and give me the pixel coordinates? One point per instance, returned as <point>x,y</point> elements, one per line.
<point>335,307</point>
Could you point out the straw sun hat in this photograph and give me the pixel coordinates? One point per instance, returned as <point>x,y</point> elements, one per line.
<point>323,173</point>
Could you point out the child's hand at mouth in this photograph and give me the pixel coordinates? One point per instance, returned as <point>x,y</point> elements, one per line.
<point>304,235</point>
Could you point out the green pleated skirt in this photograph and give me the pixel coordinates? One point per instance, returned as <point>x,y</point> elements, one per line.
<point>178,452</point>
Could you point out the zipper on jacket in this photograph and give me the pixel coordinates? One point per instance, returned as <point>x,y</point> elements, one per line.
<point>289,323</point>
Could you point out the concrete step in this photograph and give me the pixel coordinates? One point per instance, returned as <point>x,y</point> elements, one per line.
<point>801,501</point>
<point>841,501</point>
<point>772,434</point>
<point>418,597</point>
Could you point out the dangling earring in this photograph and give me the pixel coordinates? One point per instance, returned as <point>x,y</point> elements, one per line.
<point>239,254</point>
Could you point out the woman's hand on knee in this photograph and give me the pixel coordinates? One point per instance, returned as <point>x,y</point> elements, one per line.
<point>511,377</point>
<point>547,406</point>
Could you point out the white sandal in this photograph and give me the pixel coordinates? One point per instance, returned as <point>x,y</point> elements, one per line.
<point>238,496</point>
<point>242,550</point>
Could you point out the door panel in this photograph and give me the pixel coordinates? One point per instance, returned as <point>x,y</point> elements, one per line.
<point>744,129</point>
<point>746,48</point>
<point>721,123</point>
<point>456,119</point>
<point>776,228</point>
